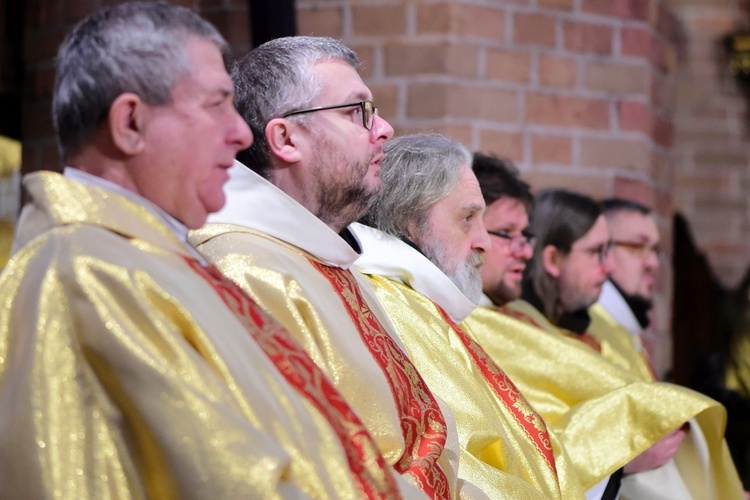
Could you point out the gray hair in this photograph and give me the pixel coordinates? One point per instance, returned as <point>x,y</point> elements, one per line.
<point>276,78</point>
<point>137,47</point>
<point>417,172</point>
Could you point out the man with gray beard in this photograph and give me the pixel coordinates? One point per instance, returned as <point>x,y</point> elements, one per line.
<point>424,261</point>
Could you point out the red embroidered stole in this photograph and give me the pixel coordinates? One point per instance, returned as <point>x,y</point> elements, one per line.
<point>422,422</point>
<point>364,458</point>
<point>531,422</point>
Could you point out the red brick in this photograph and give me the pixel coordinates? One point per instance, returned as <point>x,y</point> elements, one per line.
<point>567,111</point>
<point>234,27</point>
<point>556,149</point>
<point>588,37</point>
<point>502,143</point>
<point>557,71</point>
<point>633,189</point>
<point>321,21</point>
<point>534,28</point>
<point>663,131</point>
<point>461,19</point>
<point>509,66</point>
<point>481,103</point>
<point>634,116</point>
<point>555,4</point>
<point>616,77</point>
<point>596,186</point>
<point>377,20</point>
<point>431,58</point>
<point>427,100</point>
<point>617,152</point>
<point>626,9</point>
<point>635,41</point>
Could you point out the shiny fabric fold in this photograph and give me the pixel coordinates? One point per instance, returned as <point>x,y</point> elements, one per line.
<point>568,382</point>
<point>124,375</point>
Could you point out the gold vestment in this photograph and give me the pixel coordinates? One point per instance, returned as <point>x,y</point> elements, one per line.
<point>703,461</point>
<point>505,447</point>
<point>259,241</point>
<point>128,370</point>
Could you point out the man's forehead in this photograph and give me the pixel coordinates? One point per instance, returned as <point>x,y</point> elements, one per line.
<point>342,79</point>
<point>507,211</point>
<point>633,223</point>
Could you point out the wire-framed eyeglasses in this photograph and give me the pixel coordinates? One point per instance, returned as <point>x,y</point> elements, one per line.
<point>517,242</point>
<point>367,110</point>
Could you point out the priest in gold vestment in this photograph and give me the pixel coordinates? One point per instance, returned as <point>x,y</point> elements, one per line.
<point>128,367</point>
<point>571,261</point>
<point>424,261</point>
<point>283,237</point>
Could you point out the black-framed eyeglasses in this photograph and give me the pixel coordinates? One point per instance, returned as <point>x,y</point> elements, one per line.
<point>517,242</point>
<point>640,249</point>
<point>602,251</point>
<point>367,110</point>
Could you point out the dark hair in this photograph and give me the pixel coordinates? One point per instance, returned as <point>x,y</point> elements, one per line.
<point>560,218</point>
<point>498,178</point>
<point>611,206</point>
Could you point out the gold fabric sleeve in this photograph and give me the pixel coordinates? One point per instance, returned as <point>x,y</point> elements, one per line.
<point>123,375</point>
<point>496,453</point>
<point>618,345</point>
<point>645,408</point>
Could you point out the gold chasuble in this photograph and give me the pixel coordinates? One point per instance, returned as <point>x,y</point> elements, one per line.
<point>506,448</point>
<point>584,382</point>
<point>128,369</point>
<point>297,269</point>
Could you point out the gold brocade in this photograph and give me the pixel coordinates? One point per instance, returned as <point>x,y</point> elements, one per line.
<point>618,345</point>
<point>708,473</point>
<point>123,375</point>
<point>496,452</point>
<point>282,279</point>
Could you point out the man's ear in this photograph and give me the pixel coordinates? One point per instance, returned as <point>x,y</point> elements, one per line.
<point>284,138</point>
<point>127,119</point>
<point>552,260</point>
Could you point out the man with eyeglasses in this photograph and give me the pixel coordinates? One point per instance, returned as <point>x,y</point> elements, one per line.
<point>283,237</point>
<point>621,314</point>
<point>572,258</point>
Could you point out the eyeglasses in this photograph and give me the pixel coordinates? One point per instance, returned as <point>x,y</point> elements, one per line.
<point>367,110</point>
<point>602,251</point>
<point>640,249</point>
<point>518,242</point>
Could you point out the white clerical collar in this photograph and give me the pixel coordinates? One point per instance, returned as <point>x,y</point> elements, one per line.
<point>614,303</point>
<point>387,256</point>
<point>176,227</point>
<point>255,203</point>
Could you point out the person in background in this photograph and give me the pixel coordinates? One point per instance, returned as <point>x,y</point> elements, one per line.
<point>284,238</point>
<point>424,248</point>
<point>571,261</point>
<point>128,367</point>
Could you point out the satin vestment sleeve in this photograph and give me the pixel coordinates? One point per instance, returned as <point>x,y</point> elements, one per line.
<point>703,460</point>
<point>124,375</point>
<point>496,454</point>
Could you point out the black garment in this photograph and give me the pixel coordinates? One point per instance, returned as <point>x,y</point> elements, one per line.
<point>639,305</point>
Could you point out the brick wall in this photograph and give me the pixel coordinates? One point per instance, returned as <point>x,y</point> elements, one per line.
<point>579,93</point>
<point>711,147</point>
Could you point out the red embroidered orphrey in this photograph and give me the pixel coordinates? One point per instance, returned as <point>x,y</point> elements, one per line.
<point>422,422</point>
<point>301,372</point>
<point>509,394</point>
